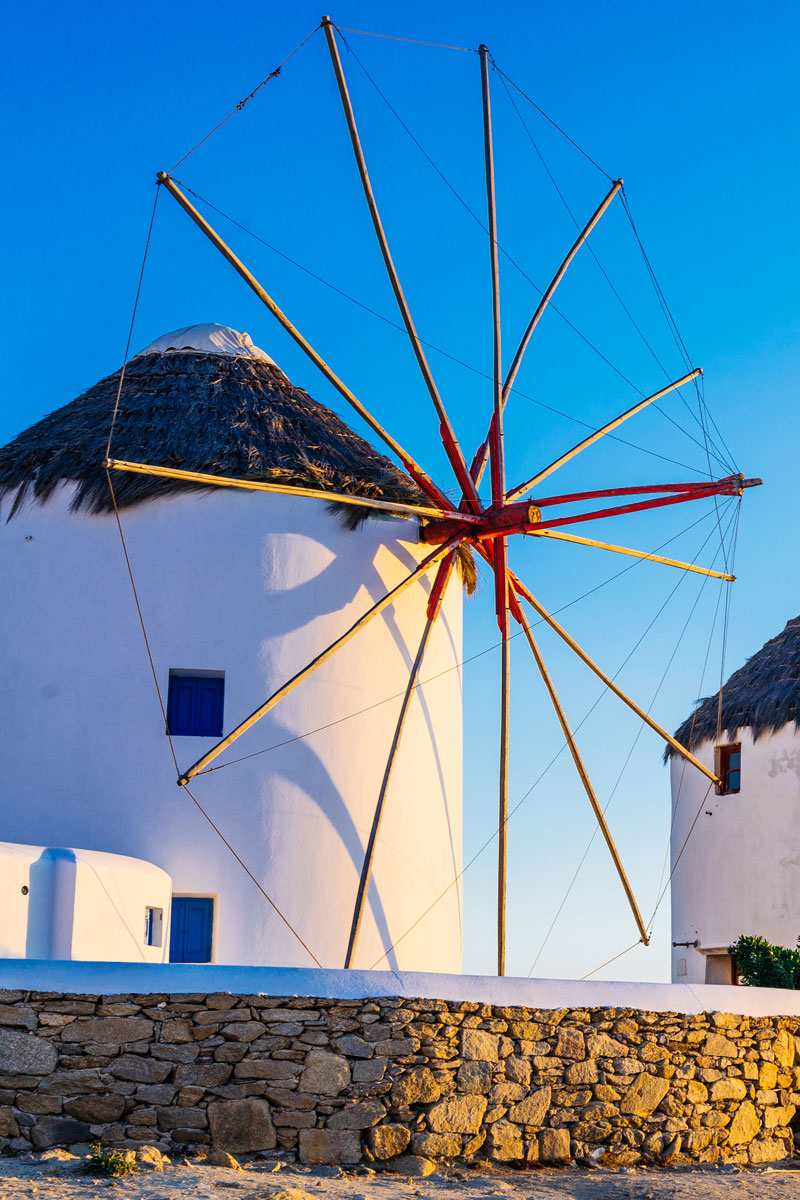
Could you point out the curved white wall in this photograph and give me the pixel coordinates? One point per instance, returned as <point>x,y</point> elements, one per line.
<point>740,870</point>
<point>254,586</point>
<point>65,904</point>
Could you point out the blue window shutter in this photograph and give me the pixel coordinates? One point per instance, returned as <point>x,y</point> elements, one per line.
<point>192,927</point>
<point>209,707</point>
<point>195,705</point>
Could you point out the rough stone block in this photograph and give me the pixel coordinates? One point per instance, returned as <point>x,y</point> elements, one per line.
<point>330,1146</point>
<point>728,1089</point>
<point>95,1110</point>
<point>645,1093</point>
<point>203,1074</point>
<point>570,1043</point>
<point>20,1015</point>
<point>354,1046</point>
<point>533,1109</point>
<point>108,1030</point>
<point>176,1031</point>
<point>767,1150</point>
<point>477,1045</point>
<point>325,1074</point>
<point>417,1086</point>
<point>137,1069</point>
<point>385,1141</point>
<point>554,1145</point>
<point>518,1069</point>
<point>89,1081</point>
<point>580,1072</point>
<point>182,1118</point>
<point>55,1131</point>
<point>357,1116</point>
<point>26,1054</point>
<point>744,1126</point>
<point>410,1164</point>
<point>474,1077</point>
<point>242,1126</point>
<point>8,1125</point>
<point>717,1046</point>
<point>505,1142</point>
<point>460,1114</point>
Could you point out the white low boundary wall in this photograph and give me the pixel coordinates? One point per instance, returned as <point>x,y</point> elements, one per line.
<point>98,978</point>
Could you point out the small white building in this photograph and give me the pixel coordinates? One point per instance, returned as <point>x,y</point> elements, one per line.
<point>59,903</point>
<point>238,591</point>
<point>736,849</point>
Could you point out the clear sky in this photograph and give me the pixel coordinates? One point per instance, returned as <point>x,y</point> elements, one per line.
<point>694,104</point>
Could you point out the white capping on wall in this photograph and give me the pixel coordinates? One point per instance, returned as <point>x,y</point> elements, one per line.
<point>117,978</point>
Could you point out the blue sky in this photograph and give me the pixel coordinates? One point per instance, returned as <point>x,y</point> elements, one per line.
<point>694,104</point>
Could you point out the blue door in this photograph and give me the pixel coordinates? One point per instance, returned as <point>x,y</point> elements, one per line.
<point>190,935</point>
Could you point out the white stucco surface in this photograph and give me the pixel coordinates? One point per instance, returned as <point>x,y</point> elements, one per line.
<point>255,586</point>
<point>739,872</point>
<point>61,903</point>
<point>120,978</point>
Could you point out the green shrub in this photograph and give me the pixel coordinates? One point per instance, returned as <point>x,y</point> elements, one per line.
<point>763,965</point>
<point>110,1163</point>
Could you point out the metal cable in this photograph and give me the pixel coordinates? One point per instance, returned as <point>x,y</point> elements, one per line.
<point>536,782</point>
<point>429,345</point>
<point>130,329</point>
<point>137,602</point>
<point>241,104</point>
<point>456,666</point>
<point>639,732</point>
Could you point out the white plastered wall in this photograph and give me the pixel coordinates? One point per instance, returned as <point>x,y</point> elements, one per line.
<point>254,586</point>
<point>65,904</point>
<point>739,872</point>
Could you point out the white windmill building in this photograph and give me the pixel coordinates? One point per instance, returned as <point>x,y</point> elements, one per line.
<point>238,591</point>
<point>736,847</point>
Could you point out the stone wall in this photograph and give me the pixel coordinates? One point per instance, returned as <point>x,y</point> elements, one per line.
<point>394,1081</point>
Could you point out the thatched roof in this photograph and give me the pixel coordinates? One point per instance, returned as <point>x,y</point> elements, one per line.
<point>762,696</point>
<point>222,413</point>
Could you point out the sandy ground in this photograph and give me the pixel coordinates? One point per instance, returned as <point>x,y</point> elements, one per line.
<point>52,1180</point>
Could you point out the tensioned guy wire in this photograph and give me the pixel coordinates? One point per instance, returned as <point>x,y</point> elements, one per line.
<point>137,602</point>
<point>630,752</point>
<point>505,252</point>
<point>430,345</point>
<point>536,782</point>
<point>456,666</point>
<point>272,75</point>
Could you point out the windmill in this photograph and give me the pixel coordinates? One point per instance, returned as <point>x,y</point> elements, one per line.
<point>447,526</point>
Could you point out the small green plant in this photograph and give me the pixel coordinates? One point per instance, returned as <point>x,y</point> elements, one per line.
<point>110,1163</point>
<point>764,965</point>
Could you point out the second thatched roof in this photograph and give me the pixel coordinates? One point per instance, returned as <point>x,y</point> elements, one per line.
<point>762,696</point>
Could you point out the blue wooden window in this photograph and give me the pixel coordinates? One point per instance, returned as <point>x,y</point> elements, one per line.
<point>195,704</point>
<point>728,764</point>
<point>191,928</point>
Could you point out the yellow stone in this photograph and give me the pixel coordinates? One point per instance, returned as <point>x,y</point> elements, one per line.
<point>696,1092</point>
<point>767,1076</point>
<point>745,1125</point>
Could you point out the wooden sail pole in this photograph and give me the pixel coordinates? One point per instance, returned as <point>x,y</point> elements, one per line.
<point>408,462</point>
<point>502,820</point>
<point>479,462</point>
<point>584,777</point>
<point>285,489</point>
<point>451,446</point>
<point>434,606</point>
<point>500,555</point>
<point>522,591</point>
<point>292,683</point>
<point>599,433</point>
<point>657,558</point>
<point>556,280</point>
